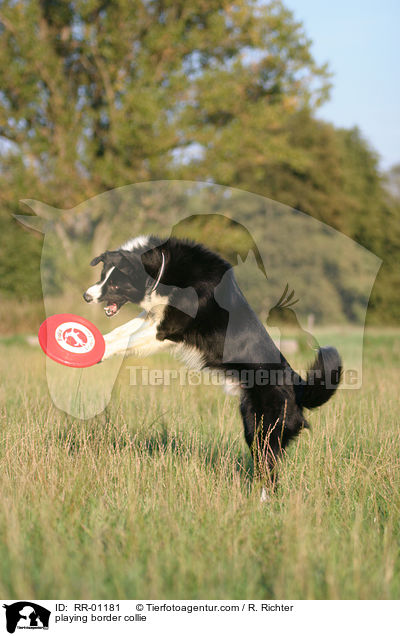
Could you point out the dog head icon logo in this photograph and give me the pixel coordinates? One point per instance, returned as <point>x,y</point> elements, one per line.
<point>26,615</point>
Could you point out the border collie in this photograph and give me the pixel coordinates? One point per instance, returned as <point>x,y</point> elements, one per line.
<point>194,307</point>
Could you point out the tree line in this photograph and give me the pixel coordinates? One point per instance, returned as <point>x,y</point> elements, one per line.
<point>95,94</point>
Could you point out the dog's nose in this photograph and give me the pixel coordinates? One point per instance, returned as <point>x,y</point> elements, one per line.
<point>87,297</point>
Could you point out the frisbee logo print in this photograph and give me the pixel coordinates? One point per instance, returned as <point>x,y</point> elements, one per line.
<point>75,338</point>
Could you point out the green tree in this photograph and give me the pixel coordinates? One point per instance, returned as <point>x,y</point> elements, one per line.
<point>95,94</point>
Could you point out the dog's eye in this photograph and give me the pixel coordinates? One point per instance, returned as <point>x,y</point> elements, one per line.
<point>112,286</point>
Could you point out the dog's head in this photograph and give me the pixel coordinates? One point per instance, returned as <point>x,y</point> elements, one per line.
<point>123,278</point>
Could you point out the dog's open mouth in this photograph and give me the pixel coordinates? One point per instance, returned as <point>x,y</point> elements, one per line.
<point>111,309</point>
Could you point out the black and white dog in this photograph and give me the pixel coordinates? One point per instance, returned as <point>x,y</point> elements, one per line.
<point>194,307</point>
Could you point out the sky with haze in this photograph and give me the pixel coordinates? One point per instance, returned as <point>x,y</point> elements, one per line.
<point>360,39</point>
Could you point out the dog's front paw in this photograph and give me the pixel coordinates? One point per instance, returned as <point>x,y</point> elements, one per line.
<point>110,349</point>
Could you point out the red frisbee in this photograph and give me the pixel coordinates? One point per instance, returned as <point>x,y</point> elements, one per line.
<point>71,340</point>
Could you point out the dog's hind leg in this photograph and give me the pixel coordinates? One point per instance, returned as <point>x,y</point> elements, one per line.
<point>264,440</point>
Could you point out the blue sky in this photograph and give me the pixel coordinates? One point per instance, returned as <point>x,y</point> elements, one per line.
<point>360,39</point>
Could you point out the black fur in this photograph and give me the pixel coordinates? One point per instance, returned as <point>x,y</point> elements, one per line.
<point>272,411</point>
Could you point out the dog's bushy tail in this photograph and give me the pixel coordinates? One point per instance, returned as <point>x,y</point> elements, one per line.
<point>323,378</point>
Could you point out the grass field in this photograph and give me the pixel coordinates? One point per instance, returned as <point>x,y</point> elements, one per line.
<point>155,497</point>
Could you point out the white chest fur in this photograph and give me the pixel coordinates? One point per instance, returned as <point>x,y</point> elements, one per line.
<point>154,305</point>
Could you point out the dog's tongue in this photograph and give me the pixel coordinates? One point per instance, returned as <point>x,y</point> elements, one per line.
<point>111,309</point>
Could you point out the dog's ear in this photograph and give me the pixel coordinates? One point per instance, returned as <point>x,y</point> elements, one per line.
<point>97,260</point>
<point>128,263</point>
<point>131,257</point>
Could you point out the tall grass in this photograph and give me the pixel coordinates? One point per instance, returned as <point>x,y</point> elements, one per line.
<point>155,497</point>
